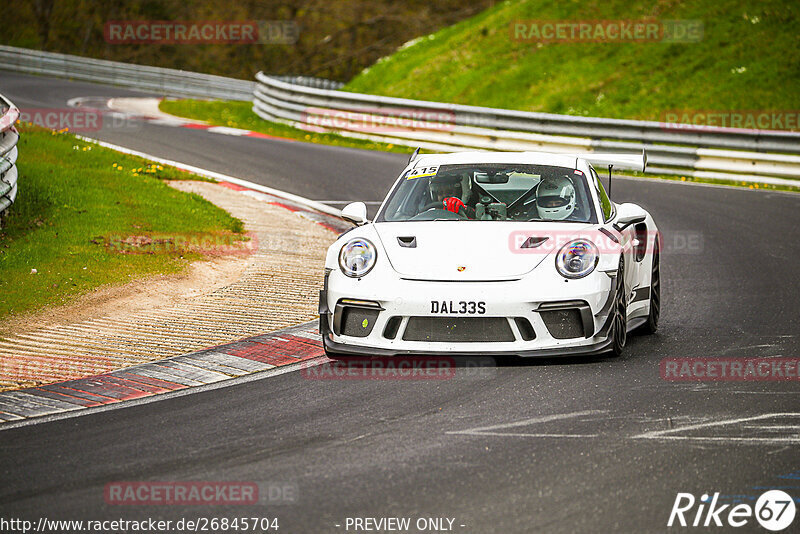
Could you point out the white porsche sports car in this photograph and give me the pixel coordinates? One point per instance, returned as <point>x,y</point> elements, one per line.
<point>493,253</point>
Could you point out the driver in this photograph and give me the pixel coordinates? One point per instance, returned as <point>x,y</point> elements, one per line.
<point>555,198</point>
<point>452,192</point>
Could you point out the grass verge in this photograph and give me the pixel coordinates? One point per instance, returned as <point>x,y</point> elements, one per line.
<point>712,181</point>
<point>87,216</point>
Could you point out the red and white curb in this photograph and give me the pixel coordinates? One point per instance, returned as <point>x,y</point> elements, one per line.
<point>223,130</point>
<point>334,224</point>
<point>147,109</point>
<point>203,368</point>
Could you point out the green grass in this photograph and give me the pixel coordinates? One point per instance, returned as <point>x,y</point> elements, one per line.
<point>748,59</point>
<point>712,181</point>
<point>239,114</point>
<point>76,202</point>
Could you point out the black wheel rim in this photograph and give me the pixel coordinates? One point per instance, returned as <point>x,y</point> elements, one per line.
<point>620,320</point>
<point>655,288</point>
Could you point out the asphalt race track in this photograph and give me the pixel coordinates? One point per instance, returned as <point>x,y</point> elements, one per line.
<point>566,445</point>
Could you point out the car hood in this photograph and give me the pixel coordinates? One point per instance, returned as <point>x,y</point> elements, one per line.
<point>471,250</point>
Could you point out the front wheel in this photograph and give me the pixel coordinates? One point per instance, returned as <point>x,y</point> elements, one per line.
<point>651,325</point>
<point>619,332</point>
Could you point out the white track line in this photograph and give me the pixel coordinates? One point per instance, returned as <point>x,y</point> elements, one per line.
<point>490,430</point>
<point>717,423</point>
<point>667,434</point>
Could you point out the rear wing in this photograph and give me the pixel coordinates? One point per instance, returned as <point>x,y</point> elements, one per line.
<point>630,161</point>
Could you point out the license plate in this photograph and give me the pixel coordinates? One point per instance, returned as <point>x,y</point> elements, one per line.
<point>458,307</point>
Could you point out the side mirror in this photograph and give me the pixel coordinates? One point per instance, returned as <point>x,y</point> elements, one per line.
<point>355,212</point>
<point>628,214</point>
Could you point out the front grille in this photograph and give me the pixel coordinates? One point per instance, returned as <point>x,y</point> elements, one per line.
<point>563,324</point>
<point>358,322</point>
<point>458,329</point>
<point>391,328</point>
<point>525,328</point>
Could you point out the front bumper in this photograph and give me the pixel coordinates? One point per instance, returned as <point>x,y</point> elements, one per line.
<point>590,298</point>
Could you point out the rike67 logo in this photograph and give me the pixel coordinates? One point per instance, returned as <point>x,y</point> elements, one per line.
<point>774,510</point>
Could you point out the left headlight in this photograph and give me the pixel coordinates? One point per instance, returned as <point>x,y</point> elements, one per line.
<point>577,258</point>
<point>357,257</point>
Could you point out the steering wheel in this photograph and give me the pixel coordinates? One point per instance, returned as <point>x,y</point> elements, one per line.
<point>438,205</point>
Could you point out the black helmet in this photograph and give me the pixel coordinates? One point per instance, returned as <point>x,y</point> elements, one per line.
<point>444,186</point>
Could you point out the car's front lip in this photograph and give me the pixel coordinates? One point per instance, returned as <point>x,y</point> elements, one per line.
<point>595,347</point>
<point>520,298</point>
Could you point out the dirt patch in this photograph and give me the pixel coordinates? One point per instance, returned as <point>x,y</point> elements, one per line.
<point>200,277</point>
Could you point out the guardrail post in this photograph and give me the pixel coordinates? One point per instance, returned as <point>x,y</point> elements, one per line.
<point>9,138</point>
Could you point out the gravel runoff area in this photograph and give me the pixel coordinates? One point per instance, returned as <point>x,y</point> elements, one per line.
<point>215,302</point>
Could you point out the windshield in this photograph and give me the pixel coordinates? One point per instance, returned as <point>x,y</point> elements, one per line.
<point>490,192</point>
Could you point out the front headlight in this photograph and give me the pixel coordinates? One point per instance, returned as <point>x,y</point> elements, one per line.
<point>577,258</point>
<point>357,257</point>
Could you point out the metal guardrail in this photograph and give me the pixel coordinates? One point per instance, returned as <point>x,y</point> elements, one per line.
<point>171,82</point>
<point>745,155</point>
<point>309,81</point>
<point>8,153</point>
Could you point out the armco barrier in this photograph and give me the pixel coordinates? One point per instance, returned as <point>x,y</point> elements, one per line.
<point>8,153</point>
<point>170,82</point>
<point>747,155</point>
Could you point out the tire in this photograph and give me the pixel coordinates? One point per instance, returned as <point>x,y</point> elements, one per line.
<point>651,326</point>
<point>619,332</point>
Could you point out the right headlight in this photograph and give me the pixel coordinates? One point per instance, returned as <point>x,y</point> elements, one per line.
<point>357,257</point>
<point>577,258</point>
